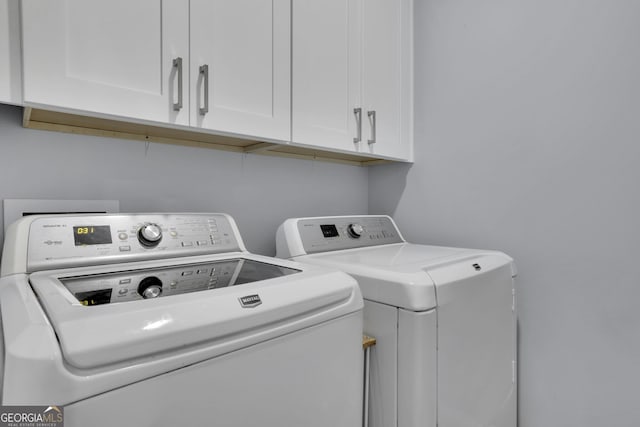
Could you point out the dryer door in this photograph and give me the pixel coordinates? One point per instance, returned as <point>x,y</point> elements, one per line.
<point>476,343</point>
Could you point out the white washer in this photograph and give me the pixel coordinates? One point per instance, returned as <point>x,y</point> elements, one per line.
<point>166,319</point>
<point>444,319</point>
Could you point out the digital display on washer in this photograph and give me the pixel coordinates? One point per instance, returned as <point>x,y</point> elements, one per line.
<point>141,284</point>
<point>329,230</point>
<point>92,235</point>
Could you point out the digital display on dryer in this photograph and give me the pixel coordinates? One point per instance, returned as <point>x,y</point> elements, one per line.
<point>329,230</point>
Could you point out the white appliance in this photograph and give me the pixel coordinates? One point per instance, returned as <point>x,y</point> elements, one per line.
<point>444,320</point>
<point>166,319</point>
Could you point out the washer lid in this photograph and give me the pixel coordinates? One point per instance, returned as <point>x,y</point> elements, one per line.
<point>398,274</point>
<point>167,281</point>
<point>95,333</point>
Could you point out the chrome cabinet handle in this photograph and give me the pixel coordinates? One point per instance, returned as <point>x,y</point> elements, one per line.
<point>372,120</point>
<point>177,63</point>
<point>204,71</point>
<point>358,113</point>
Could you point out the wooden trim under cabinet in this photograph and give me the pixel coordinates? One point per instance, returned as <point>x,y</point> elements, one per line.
<point>35,118</point>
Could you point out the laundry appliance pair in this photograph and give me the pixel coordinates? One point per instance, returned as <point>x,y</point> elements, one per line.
<point>167,319</point>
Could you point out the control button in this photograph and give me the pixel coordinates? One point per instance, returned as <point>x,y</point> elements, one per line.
<point>125,248</point>
<point>150,287</point>
<point>123,291</point>
<point>205,271</point>
<point>187,244</point>
<point>123,236</point>
<point>202,243</point>
<point>125,281</point>
<point>149,235</point>
<point>173,234</point>
<point>355,230</point>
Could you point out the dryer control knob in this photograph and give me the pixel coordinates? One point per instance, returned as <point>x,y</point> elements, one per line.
<point>149,235</point>
<point>150,287</point>
<point>355,230</point>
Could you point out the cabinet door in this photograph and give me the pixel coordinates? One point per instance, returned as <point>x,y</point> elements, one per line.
<point>107,57</point>
<point>245,45</point>
<point>10,71</point>
<point>386,77</point>
<point>326,73</point>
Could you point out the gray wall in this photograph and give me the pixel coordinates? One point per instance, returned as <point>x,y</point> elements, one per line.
<point>528,140</point>
<point>258,191</point>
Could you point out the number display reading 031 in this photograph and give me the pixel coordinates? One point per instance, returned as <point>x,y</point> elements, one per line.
<point>92,235</point>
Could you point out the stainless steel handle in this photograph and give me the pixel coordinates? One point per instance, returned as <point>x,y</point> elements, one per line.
<point>177,63</point>
<point>372,121</point>
<point>204,71</point>
<point>358,113</point>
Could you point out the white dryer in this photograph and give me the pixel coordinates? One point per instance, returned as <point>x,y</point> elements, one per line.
<point>444,320</point>
<point>166,319</point>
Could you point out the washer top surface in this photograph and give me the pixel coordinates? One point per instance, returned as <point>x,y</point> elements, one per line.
<point>100,317</point>
<point>122,288</point>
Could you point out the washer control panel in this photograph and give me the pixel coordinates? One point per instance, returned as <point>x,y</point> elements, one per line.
<point>336,233</point>
<point>70,241</point>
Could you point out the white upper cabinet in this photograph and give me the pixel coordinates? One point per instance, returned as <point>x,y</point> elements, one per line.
<point>114,57</point>
<point>326,82</point>
<point>215,64</point>
<point>333,75</point>
<point>241,67</point>
<point>387,77</point>
<point>10,70</point>
<point>352,71</point>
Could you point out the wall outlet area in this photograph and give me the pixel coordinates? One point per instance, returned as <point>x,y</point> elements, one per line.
<point>14,209</point>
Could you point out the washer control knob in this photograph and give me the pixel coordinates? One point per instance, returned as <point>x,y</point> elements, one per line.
<point>150,287</point>
<point>150,235</point>
<point>355,230</point>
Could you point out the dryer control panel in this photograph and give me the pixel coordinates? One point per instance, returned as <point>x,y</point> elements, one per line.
<point>346,232</point>
<point>77,240</point>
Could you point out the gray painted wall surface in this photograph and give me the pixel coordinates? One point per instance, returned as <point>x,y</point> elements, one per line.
<point>528,140</point>
<point>258,191</point>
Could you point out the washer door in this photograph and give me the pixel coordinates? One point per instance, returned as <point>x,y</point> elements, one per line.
<point>101,317</point>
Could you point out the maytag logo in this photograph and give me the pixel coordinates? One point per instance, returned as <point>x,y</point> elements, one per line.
<point>250,301</point>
